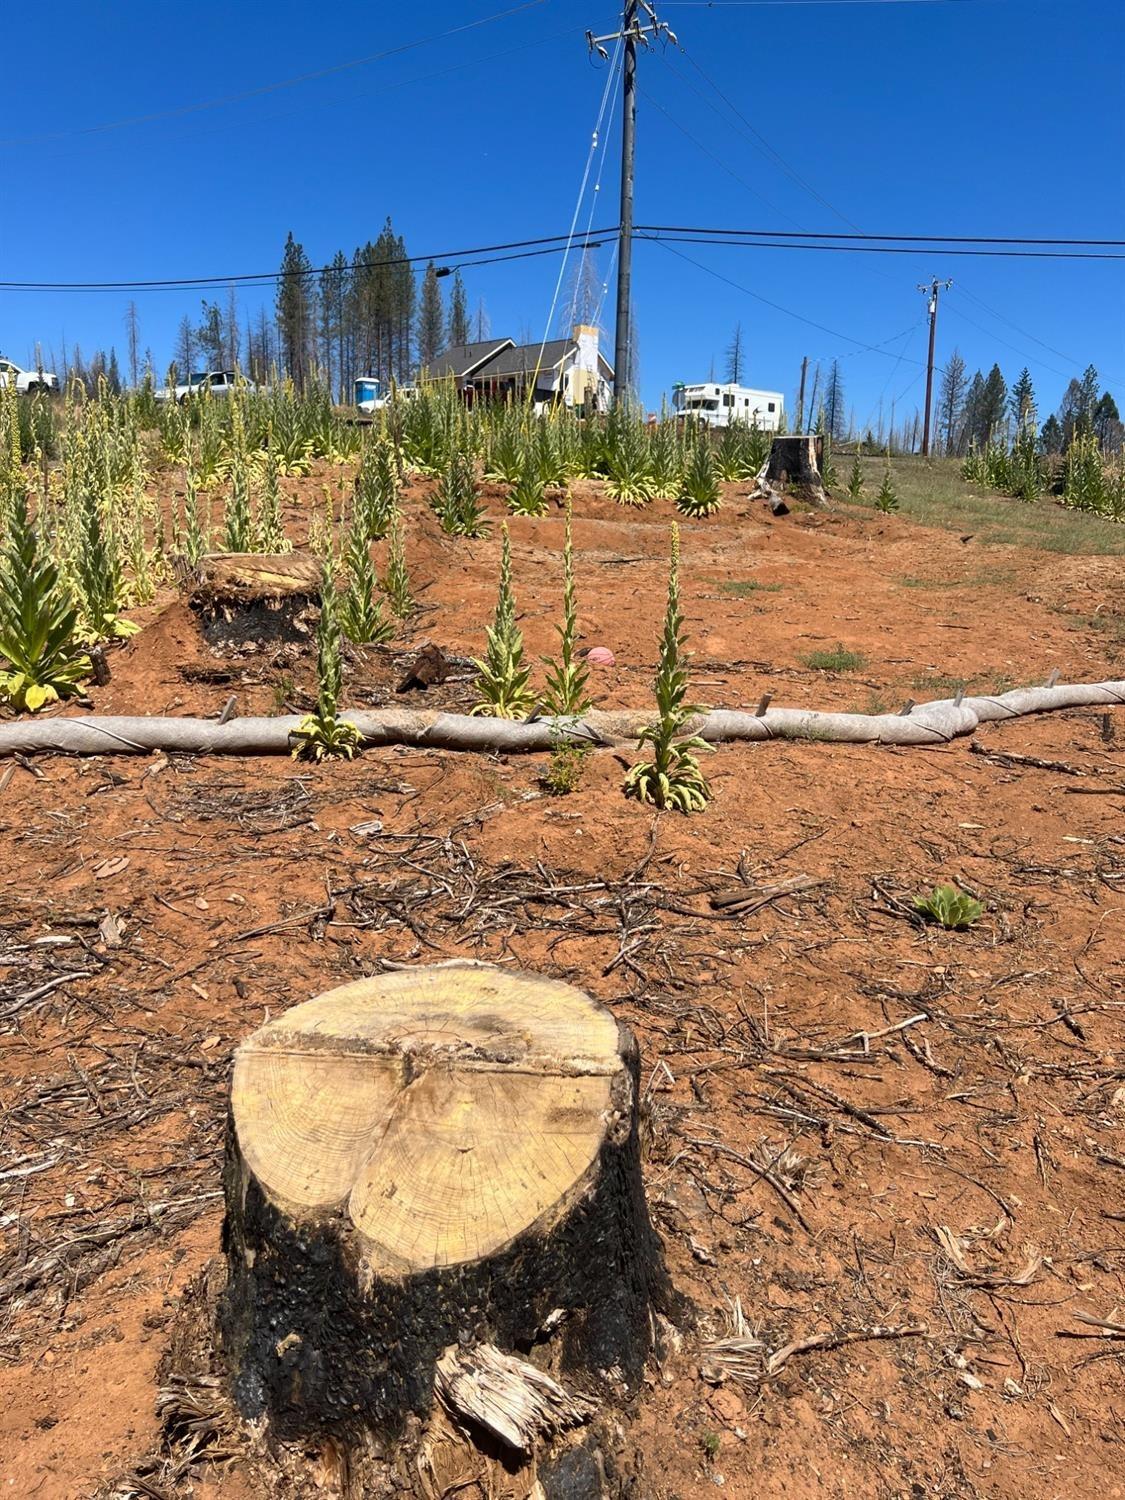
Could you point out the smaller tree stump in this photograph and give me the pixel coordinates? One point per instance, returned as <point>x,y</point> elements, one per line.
<point>432,1158</point>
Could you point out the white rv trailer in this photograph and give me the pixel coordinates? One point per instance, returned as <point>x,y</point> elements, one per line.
<point>720,405</point>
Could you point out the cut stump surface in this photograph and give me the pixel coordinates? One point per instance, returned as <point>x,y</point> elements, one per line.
<point>444,1110</point>
<point>435,1157</point>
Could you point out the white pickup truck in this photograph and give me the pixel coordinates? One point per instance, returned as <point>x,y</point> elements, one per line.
<point>217,382</point>
<point>27,382</point>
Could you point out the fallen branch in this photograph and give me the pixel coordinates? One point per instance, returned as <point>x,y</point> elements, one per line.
<point>928,724</point>
<point>836,1340</point>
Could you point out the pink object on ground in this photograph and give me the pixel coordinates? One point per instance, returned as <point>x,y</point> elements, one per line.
<point>601,656</point>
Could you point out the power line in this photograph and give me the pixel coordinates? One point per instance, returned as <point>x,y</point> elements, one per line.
<point>178,111</point>
<point>756,135</point>
<point>1050,348</point>
<point>784,4</point>
<point>264,278</point>
<point>717,159</point>
<point>928,239</point>
<point>735,244</point>
<point>777,306</point>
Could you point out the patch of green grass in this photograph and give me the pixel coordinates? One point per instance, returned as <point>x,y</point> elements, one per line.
<point>992,577</point>
<point>838,660</point>
<point>934,685</point>
<point>742,588</point>
<point>933,492</point>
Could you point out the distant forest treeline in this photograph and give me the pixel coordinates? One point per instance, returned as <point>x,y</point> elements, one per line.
<point>370,313</point>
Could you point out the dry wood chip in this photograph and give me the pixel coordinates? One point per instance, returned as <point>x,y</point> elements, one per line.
<point>506,1396</point>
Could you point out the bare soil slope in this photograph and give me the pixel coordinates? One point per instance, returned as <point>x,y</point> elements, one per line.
<point>855,1122</point>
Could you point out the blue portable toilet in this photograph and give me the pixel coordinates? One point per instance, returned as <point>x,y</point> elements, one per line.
<point>367,393</point>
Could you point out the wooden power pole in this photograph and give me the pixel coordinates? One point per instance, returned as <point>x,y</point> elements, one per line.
<point>933,288</point>
<point>634,32</point>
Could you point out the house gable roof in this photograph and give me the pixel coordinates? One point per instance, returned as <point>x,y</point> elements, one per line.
<point>463,360</point>
<point>525,359</point>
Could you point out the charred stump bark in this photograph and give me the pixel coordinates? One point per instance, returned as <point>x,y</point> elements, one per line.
<point>794,465</point>
<point>428,1160</point>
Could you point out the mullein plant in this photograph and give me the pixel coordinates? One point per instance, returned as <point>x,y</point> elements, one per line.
<point>855,478</point>
<point>324,734</point>
<point>671,778</point>
<point>503,680</point>
<point>195,532</point>
<point>666,460</point>
<point>97,567</point>
<point>239,518</point>
<point>699,489</point>
<point>396,581</point>
<point>628,478</point>
<point>507,449</point>
<point>376,487</point>
<point>730,455</point>
<point>361,610</point>
<point>457,502</point>
<point>270,527</point>
<point>38,620</point>
<point>566,694</point>
<point>527,497</point>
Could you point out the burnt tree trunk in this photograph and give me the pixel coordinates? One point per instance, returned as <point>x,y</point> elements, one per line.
<point>434,1158</point>
<point>794,465</point>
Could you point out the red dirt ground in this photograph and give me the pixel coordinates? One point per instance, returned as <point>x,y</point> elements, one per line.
<point>236,888</point>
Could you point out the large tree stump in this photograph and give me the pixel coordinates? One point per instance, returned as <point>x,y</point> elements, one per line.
<point>431,1158</point>
<point>794,464</point>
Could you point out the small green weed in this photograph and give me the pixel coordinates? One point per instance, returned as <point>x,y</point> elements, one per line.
<point>742,588</point>
<point>710,1442</point>
<point>564,771</point>
<point>839,660</point>
<point>949,908</point>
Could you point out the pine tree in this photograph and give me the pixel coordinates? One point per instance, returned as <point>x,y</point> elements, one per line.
<point>835,414</point>
<point>209,336</point>
<point>185,349</point>
<point>993,404</point>
<point>887,499</point>
<point>951,402</point>
<point>1106,421</point>
<point>133,333</point>
<point>972,423</point>
<point>736,357</point>
<point>431,321</point>
<point>1051,435</point>
<point>294,311</point>
<point>458,332</point>
<point>1022,401</point>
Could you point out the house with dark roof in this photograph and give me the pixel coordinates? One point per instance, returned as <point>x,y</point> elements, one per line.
<point>572,371</point>
<point>462,361</point>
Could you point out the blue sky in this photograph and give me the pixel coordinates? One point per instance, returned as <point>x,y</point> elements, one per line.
<point>992,117</point>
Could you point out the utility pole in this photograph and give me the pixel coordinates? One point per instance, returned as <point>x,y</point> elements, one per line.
<point>801,395</point>
<point>933,288</point>
<point>634,32</point>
